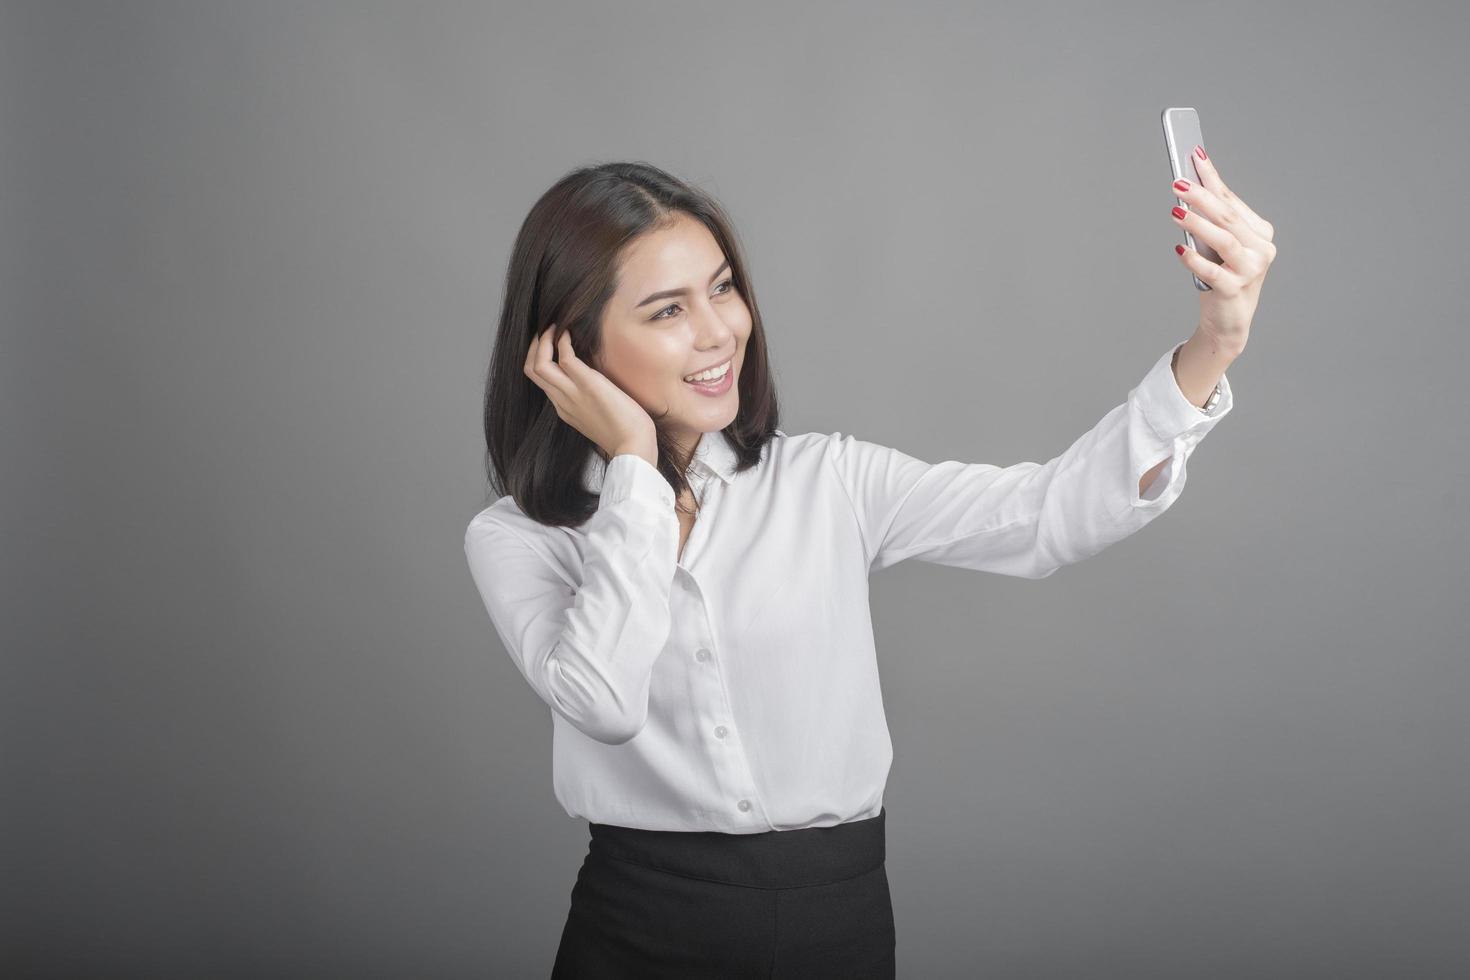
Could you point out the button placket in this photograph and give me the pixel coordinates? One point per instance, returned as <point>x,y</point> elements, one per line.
<point>742,774</point>
<point>733,770</point>
<point>701,480</point>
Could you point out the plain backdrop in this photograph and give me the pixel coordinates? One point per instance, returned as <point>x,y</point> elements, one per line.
<point>254,720</point>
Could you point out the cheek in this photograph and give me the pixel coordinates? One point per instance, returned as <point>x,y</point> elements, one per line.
<point>638,368</point>
<point>739,323</point>
<point>650,375</point>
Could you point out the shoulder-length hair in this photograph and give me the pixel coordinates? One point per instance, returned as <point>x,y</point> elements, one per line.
<point>563,270</point>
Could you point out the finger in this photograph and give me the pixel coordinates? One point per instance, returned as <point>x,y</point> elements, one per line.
<point>565,352</point>
<point>575,366</point>
<point>567,359</point>
<point>1225,214</point>
<point>1209,176</point>
<point>1222,240</point>
<point>1258,224</point>
<point>1213,274</point>
<point>1243,251</point>
<point>1205,167</point>
<point>531,355</point>
<point>552,376</point>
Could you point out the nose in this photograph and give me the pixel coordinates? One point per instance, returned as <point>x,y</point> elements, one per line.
<point>712,327</point>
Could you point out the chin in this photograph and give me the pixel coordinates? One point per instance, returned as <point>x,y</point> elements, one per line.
<point>706,422</point>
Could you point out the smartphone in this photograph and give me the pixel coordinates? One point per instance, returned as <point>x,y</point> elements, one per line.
<point>1181,135</point>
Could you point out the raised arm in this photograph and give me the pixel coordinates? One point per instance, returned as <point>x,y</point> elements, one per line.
<point>588,651</point>
<point>1029,519</point>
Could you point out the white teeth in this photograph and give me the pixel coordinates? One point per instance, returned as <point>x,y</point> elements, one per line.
<point>713,374</point>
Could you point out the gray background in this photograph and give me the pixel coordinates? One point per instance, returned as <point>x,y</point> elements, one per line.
<point>256,722</point>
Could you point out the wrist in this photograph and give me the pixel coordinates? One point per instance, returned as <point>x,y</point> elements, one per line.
<point>647,453</point>
<point>1198,365</point>
<point>1221,350</point>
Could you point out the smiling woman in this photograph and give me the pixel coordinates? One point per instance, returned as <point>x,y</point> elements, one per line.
<point>628,309</point>
<point>600,255</point>
<point>654,352</point>
<point>717,716</point>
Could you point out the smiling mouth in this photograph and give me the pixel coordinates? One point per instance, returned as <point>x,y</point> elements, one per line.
<point>728,365</point>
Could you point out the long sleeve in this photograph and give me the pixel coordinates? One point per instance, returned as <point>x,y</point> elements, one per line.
<point>1029,519</point>
<point>588,651</point>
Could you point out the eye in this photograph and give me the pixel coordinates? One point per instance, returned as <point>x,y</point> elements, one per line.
<point>724,282</point>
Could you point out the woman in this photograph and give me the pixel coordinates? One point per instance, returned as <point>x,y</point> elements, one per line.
<point>685,585</point>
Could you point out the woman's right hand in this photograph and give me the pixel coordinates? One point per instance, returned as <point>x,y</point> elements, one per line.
<point>587,400</point>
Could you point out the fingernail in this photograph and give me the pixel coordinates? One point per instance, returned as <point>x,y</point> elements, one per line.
<point>1181,184</point>
<point>1178,249</point>
<point>1199,151</point>
<point>1178,212</point>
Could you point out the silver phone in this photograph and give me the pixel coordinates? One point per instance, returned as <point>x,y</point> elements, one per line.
<point>1181,135</point>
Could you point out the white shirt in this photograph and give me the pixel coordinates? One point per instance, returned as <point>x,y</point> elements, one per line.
<point>736,689</point>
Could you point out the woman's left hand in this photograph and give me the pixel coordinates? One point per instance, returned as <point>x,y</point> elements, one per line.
<point>1243,240</point>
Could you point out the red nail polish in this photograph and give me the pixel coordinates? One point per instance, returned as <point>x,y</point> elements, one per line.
<point>1179,249</point>
<point>1178,212</point>
<point>1200,152</point>
<point>1181,184</point>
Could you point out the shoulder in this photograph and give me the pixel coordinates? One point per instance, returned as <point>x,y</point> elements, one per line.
<point>502,522</point>
<point>790,454</point>
<point>820,446</point>
<point>802,444</point>
<point>812,458</point>
<point>502,541</point>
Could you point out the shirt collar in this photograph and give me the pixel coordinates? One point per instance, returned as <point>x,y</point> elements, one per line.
<point>715,456</point>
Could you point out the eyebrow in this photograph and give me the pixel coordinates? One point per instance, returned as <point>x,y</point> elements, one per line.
<point>668,293</point>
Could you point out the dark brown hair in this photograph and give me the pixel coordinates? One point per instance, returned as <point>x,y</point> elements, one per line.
<point>563,270</point>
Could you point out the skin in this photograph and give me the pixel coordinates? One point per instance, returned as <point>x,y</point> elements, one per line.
<point>648,348</point>
<point>1218,217</point>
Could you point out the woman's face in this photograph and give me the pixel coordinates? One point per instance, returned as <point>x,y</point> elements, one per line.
<point>676,312</point>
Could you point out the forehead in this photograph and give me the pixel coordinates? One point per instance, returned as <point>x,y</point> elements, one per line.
<point>666,257</point>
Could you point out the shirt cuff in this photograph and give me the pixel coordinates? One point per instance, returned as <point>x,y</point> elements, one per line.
<point>1169,413</point>
<point>630,476</point>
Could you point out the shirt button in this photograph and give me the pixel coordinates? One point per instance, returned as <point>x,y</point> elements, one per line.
<point>701,655</point>
<point>721,731</point>
<point>744,805</point>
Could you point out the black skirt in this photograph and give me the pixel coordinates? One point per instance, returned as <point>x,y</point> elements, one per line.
<point>811,903</point>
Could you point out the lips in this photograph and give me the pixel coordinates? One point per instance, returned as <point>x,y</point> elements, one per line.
<point>715,389</point>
